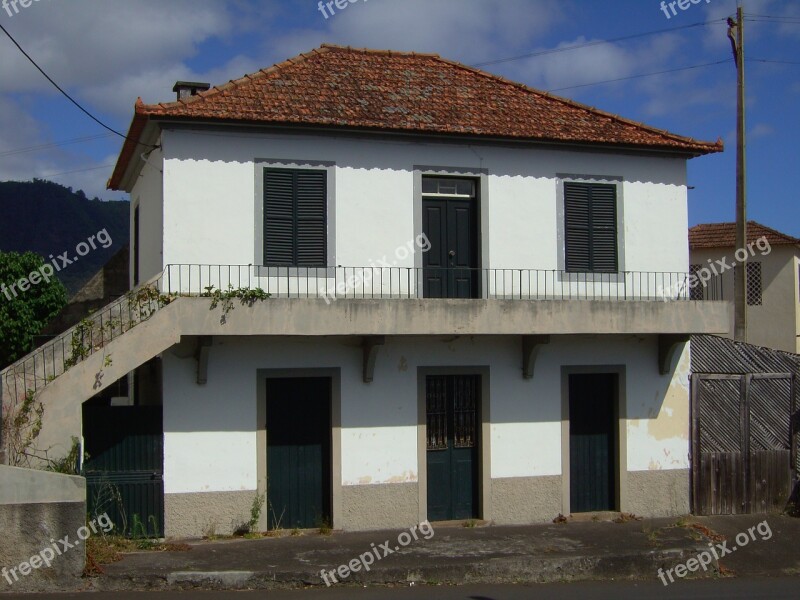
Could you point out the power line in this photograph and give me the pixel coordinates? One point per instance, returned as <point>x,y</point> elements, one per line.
<point>77,171</point>
<point>66,95</point>
<point>773,17</point>
<point>594,43</point>
<point>78,140</point>
<point>773,22</point>
<point>572,87</point>
<point>777,62</point>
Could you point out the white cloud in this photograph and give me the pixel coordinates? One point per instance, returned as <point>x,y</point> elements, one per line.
<point>761,130</point>
<point>466,30</point>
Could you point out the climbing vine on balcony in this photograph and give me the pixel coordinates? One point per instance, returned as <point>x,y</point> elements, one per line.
<point>225,298</point>
<point>90,335</point>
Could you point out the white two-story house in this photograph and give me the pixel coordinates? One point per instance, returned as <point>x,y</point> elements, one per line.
<point>477,298</point>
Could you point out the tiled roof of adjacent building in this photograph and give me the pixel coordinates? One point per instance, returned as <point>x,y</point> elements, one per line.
<point>382,90</point>
<point>723,235</point>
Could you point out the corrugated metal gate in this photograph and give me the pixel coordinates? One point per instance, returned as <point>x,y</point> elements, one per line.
<point>744,448</point>
<point>124,472</point>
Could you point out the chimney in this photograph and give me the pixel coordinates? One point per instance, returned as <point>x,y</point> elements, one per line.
<point>184,89</point>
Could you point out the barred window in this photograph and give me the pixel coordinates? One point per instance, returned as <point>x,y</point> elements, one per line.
<point>754,284</point>
<point>696,292</point>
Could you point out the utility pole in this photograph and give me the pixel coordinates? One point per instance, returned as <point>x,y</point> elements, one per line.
<point>736,35</point>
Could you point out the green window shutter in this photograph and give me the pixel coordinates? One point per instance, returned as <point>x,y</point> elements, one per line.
<point>604,228</point>
<point>590,214</point>
<point>577,226</point>
<point>295,223</point>
<point>310,194</point>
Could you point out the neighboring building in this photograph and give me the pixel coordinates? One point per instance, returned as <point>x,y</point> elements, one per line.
<point>110,282</point>
<point>466,317</point>
<point>773,279</point>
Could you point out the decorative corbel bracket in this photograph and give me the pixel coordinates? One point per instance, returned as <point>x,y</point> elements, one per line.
<point>668,345</point>
<point>530,350</point>
<point>201,355</point>
<point>370,345</point>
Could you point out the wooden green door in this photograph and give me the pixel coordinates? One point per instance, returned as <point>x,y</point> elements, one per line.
<point>298,452</point>
<point>450,222</point>
<point>125,470</point>
<point>452,407</point>
<point>592,448</point>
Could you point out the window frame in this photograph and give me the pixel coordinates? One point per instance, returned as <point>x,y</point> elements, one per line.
<point>563,181</point>
<point>753,271</point>
<point>258,248</point>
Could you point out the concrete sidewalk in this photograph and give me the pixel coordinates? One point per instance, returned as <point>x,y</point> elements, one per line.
<point>455,554</point>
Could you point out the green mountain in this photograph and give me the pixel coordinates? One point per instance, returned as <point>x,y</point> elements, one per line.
<point>50,220</point>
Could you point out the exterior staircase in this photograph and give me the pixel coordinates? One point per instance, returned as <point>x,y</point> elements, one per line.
<point>87,358</point>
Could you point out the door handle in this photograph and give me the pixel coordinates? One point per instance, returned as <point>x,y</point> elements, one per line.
<point>451,254</point>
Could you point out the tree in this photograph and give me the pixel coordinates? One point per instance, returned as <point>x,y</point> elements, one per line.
<point>30,296</point>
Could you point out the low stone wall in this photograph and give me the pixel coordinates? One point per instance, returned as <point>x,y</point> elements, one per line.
<point>37,510</point>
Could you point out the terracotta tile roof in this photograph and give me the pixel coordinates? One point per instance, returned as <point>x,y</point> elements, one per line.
<point>723,235</point>
<point>382,90</point>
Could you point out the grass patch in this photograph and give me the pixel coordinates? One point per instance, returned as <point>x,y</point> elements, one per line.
<point>626,517</point>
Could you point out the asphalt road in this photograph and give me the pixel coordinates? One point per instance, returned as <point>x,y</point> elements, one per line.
<point>750,589</point>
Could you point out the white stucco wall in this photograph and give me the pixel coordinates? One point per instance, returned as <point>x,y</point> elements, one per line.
<point>148,194</point>
<point>210,187</point>
<point>776,322</point>
<point>210,430</point>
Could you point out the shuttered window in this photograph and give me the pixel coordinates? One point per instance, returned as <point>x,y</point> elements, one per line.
<point>295,221</point>
<point>590,214</point>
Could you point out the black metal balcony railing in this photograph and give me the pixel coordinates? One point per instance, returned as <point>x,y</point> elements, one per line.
<point>58,355</point>
<point>418,282</point>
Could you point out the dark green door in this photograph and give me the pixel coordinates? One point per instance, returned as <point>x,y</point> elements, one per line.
<point>298,452</point>
<point>450,222</point>
<point>125,470</point>
<point>592,455</point>
<point>452,406</point>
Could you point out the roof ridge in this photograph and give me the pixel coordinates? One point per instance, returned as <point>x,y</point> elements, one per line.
<point>775,231</point>
<point>327,47</point>
<point>388,52</point>
<point>292,93</point>
<point>725,227</point>
<point>581,105</point>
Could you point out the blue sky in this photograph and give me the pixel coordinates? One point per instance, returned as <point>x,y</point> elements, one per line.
<point>107,52</point>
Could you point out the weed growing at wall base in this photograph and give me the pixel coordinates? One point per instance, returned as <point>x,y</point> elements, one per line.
<point>715,551</point>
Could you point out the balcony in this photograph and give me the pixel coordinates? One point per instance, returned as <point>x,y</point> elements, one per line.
<point>392,283</point>
<point>193,302</point>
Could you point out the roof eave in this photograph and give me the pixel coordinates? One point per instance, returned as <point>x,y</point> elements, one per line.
<point>704,148</point>
<point>134,138</point>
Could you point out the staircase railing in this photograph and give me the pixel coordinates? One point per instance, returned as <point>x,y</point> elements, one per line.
<point>43,365</point>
